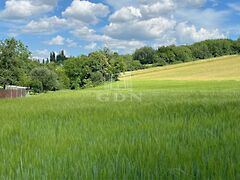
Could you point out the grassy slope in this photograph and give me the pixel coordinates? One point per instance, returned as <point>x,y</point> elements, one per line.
<point>140,129</point>
<point>223,68</point>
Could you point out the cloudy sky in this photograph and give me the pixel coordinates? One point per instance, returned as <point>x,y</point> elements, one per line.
<point>81,26</point>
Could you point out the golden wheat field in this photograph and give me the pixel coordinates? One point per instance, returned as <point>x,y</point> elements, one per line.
<point>223,68</point>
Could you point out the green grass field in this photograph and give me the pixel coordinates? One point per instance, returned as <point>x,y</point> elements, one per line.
<point>156,125</point>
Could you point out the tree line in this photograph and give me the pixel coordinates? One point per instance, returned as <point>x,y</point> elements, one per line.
<point>177,54</point>
<point>61,72</point>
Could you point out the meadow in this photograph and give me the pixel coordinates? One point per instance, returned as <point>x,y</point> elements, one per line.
<point>148,126</point>
<point>221,68</point>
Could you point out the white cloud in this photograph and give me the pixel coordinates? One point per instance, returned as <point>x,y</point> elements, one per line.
<point>127,46</point>
<point>45,25</point>
<point>76,16</point>
<point>126,14</point>
<point>88,34</point>
<point>137,3</point>
<point>71,43</point>
<point>140,30</point>
<point>150,23</point>
<point>164,22</point>
<point>20,9</point>
<point>86,11</point>
<point>132,23</point>
<point>188,34</point>
<point>58,40</point>
<point>41,54</point>
<point>114,44</point>
<point>159,8</point>
<point>208,18</point>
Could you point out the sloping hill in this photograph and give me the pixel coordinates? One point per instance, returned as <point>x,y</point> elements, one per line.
<point>222,68</point>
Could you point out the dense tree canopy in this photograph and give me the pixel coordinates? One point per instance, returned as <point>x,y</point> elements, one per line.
<point>60,72</point>
<point>176,54</point>
<point>145,55</point>
<point>15,64</point>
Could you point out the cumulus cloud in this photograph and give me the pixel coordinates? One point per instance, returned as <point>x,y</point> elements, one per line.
<point>45,25</point>
<point>140,30</point>
<point>19,9</point>
<point>164,22</point>
<point>91,35</point>
<point>127,46</point>
<point>130,24</point>
<point>188,34</point>
<point>153,23</point>
<point>208,18</point>
<point>88,34</point>
<point>126,14</point>
<point>58,40</point>
<point>158,8</point>
<point>137,3</point>
<point>86,11</point>
<point>41,54</point>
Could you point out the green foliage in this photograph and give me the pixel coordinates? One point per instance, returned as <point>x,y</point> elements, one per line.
<point>200,51</point>
<point>64,81</point>
<point>36,86</point>
<point>236,46</point>
<point>24,80</point>
<point>182,53</point>
<point>122,63</point>
<point>99,62</point>
<point>89,70</point>
<point>43,79</point>
<point>100,66</point>
<point>52,57</point>
<point>76,71</point>
<point>60,57</point>
<point>220,47</point>
<point>145,55</point>
<point>160,62</point>
<point>175,54</point>
<point>14,62</point>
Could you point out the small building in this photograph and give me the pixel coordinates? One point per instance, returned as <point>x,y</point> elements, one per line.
<point>13,92</point>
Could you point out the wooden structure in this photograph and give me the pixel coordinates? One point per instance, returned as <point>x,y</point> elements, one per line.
<point>13,92</point>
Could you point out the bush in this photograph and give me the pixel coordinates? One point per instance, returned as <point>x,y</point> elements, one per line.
<point>37,86</point>
<point>43,79</point>
<point>97,78</point>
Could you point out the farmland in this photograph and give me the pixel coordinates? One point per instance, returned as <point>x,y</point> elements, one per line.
<point>179,121</point>
<point>221,68</point>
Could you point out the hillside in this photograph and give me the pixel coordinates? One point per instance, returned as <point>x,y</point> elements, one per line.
<point>223,68</point>
<point>146,127</point>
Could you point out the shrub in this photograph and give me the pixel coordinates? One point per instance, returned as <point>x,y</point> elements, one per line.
<point>43,79</point>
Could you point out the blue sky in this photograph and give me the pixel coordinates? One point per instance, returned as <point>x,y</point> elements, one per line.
<point>81,26</point>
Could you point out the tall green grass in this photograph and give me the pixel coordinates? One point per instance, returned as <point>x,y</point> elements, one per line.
<point>172,130</point>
